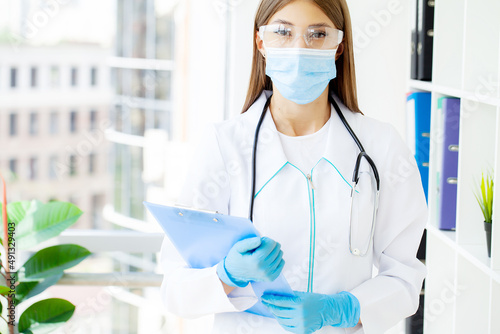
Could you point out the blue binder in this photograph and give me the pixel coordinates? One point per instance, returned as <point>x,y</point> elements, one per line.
<point>419,114</point>
<point>203,238</point>
<point>449,168</point>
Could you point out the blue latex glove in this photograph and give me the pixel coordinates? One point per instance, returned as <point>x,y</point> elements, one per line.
<point>252,259</point>
<point>307,312</point>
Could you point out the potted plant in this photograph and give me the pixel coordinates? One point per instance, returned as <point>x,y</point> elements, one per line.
<point>485,199</point>
<point>24,225</point>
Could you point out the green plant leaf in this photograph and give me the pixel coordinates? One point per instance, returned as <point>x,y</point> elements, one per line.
<point>48,221</point>
<point>29,289</point>
<point>16,211</point>
<point>45,316</point>
<point>53,260</point>
<point>484,196</point>
<point>4,328</point>
<point>4,291</point>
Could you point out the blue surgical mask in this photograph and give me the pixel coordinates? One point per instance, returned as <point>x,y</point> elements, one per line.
<point>300,74</point>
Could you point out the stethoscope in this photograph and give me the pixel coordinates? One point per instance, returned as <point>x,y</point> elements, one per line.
<point>355,175</point>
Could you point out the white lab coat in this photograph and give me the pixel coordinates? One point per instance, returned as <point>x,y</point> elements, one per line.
<point>312,227</point>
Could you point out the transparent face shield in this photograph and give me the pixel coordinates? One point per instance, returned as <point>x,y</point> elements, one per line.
<point>285,36</point>
<point>364,204</point>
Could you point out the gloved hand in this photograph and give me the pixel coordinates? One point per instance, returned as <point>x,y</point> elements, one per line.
<point>251,259</point>
<point>307,312</point>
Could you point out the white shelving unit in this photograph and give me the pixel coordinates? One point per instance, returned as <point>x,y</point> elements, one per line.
<point>462,288</point>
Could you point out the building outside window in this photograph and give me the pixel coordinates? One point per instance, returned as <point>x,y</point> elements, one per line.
<point>13,124</point>
<point>53,122</point>
<point>33,77</point>
<point>72,121</point>
<point>142,32</point>
<point>72,165</point>
<point>53,167</point>
<point>55,77</point>
<point>13,166</point>
<point>33,130</point>
<point>33,168</point>
<point>93,76</point>
<point>93,120</point>
<point>13,77</point>
<point>97,203</point>
<point>92,163</point>
<point>74,76</point>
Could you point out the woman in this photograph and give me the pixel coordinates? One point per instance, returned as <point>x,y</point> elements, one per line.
<point>303,70</point>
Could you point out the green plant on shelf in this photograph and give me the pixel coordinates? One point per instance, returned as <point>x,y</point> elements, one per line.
<point>484,196</point>
<point>24,226</point>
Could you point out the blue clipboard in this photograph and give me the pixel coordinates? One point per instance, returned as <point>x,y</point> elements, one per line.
<point>203,238</point>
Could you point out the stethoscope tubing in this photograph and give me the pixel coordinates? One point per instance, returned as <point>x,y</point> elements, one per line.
<point>349,129</point>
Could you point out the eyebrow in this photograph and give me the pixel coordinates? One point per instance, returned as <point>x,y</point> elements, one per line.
<point>322,24</point>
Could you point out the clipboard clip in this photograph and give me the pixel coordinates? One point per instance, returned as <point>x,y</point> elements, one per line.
<point>195,209</point>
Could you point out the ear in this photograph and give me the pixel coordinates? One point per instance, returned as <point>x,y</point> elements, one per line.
<point>260,44</point>
<point>340,50</point>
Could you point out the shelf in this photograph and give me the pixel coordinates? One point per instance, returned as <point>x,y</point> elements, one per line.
<point>496,278</point>
<point>481,45</point>
<point>440,283</point>
<point>447,58</point>
<point>421,85</point>
<point>449,237</point>
<point>476,254</point>
<point>495,307</point>
<point>463,284</point>
<point>472,299</point>
<point>475,97</point>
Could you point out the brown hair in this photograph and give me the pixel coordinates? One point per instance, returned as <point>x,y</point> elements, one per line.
<point>344,85</point>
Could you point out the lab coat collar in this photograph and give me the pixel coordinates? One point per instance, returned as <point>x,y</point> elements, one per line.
<point>340,151</point>
<point>270,155</point>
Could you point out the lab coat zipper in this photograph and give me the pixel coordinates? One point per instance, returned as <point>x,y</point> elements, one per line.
<point>312,238</point>
<point>310,181</point>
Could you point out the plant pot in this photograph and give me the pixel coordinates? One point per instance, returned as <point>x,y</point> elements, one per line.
<point>487,228</point>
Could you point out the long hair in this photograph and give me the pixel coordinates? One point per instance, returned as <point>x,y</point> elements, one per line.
<point>344,85</point>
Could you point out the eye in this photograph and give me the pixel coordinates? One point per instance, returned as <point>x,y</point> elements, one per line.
<point>317,34</point>
<point>283,31</point>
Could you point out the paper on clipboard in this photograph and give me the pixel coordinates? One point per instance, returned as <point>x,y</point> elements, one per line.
<point>203,238</point>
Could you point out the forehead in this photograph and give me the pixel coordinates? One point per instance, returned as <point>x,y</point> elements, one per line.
<point>302,13</point>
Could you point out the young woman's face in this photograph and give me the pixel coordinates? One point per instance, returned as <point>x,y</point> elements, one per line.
<point>301,14</point>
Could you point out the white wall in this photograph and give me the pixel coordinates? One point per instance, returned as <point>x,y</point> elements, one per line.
<point>382,58</point>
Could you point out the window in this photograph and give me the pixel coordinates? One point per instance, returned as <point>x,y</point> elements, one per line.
<point>54,123</point>
<point>13,77</point>
<point>93,120</point>
<point>53,167</point>
<point>92,163</point>
<point>72,121</point>
<point>33,124</point>
<point>93,76</point>
<point>13,125</point>
<point>74,76</point>
<point>97,203</point>
<point>33,168</point>
<point>72,165</point>
<point>55,77</point>
<point>34,77</point>
<point>13,166</point>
